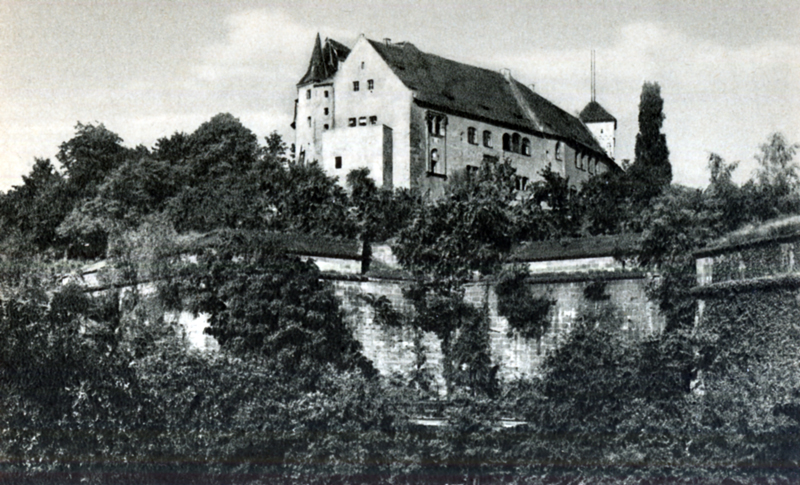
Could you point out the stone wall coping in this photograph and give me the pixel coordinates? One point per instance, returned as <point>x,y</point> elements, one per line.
<point>723,288</point>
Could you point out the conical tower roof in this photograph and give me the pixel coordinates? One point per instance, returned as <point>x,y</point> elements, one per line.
<point>594,113</point>
<point>316,66</point>
<point>324,61</point>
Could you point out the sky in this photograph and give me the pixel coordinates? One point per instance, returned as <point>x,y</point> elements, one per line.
<point>729,70</point>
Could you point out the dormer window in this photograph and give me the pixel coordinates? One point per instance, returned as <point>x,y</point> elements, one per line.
<point>437,124</point>
<point>355,86</point>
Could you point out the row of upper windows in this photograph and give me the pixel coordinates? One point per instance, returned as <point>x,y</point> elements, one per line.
<point>586,163</point>
<point>370,85</point>
<point>520,182</point>
<point>511,142</point>
<point>362,121</point>
<point>324,93</point>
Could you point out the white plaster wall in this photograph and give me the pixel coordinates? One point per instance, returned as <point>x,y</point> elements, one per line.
<point>361,146</point>
<point>390,101</point>
<point>604,133</point>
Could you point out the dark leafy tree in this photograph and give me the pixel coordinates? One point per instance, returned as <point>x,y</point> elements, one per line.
<point>89,157</point>
<point>263,302</point>
<point>651,171</point>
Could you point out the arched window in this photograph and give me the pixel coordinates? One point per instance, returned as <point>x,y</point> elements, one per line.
<point>577,160</point>
<point>526,147</point>
<point>506,142</point>
<point>436,125</point>
<point>487,139</point>
<point>434,160</point>
<point>472,136</point>
<point>515,141</point>
<point>559,151</point>
<point>591,165</point>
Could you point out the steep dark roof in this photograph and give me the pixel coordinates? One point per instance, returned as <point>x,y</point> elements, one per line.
<point>480,93</point>
<point>594,113</point>
<point>324,61</point>
<point>585,247</point>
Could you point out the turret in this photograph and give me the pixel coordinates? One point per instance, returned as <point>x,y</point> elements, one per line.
<point>602,125</point>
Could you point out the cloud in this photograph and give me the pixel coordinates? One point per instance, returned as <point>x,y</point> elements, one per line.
<point>717,98</point>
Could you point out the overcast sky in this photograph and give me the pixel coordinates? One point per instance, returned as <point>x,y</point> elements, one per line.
<point>729,69</point>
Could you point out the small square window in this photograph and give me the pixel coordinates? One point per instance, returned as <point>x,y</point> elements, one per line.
<point>362,121</point>
<point>370,84</point>
<point>308,94</point>
<point>338,162</point>
<point>355,86</point>
<point>326,111</point>
<point>351,122</point>
<point>373,120</point>
<point>325,126</point>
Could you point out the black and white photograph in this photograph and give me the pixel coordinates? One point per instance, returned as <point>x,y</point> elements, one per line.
<point>399,242</point>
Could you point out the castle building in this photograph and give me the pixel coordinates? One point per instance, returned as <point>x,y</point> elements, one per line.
<point>414,119</point>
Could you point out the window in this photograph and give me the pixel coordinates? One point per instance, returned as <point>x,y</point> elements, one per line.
<point>325,126</point>
<point>526,147</point>
<point>487,139</point>
<point>434,165</point>
<point>490,158</point>
<point>506,142</point>
<point>309,122</point>
<point>373,120</point>
<point>362,121</point>
<point>351,122</point>
<point>521,183</point>
<point>472,170</point>
<point>326,93</point>
<point>370,84</point>
<point>302,156</point>
<point>472,136</point>
<point>591,165</point>
<point>436,124</point>
<point>326,111</point>
<point>355,85</point>
<point>362,64</point>
<point>515,141</point>
<point>338,162</point>
<point>308,94</point>
<point>559,151</point>
<point>577,160</point>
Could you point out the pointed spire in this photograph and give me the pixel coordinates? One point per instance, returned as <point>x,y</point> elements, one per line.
<point>316,67</point>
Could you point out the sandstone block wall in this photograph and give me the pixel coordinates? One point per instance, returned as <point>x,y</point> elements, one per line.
<point>392,350</point>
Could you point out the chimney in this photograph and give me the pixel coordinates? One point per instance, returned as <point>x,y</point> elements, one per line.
<point>506,73</point>
<point>387,40</point>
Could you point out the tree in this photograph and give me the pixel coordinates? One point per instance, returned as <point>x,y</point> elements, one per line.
<point>88,157</point>
<point>775,189</point>
<point>651,171</point>
<point>263,302</point>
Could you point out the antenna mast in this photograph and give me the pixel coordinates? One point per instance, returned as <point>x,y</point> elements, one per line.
<point>594,83</point>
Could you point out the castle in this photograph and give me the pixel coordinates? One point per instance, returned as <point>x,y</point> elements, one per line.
<point>415,118</point>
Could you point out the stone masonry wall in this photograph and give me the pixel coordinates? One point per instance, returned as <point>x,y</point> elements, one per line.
<point>391,350</point>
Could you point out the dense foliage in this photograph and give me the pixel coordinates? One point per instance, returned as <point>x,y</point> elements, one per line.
<point>103,388</point>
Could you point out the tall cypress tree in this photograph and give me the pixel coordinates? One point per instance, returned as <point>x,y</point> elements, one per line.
<point>651,170</point>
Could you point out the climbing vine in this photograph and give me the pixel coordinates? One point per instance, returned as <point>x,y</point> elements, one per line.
<point>528,315</point>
